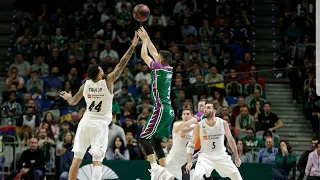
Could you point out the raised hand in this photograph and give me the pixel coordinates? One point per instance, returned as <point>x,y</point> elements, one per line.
<point>135,39</point>
<point>65,95</point>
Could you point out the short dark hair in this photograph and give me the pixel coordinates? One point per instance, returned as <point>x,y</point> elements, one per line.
<point>209,102</point>
<point>93,71</point>
<point>166,56</point>
<point>269,103</point>
<point>13,68</point>
<point>188,110</point>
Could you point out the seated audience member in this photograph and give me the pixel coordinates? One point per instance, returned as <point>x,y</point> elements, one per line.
<point>64,131</point>
<point>268,154</point>
<point>285,160</point>
<point>119,151</point>
<point>45,144</point>
<point>132,145</point>
<point>244,155</point>
<point>251,140</point>
<point>233,129</point>
<point>14,78</point>
<point>245,120</point>
<point>31,164</point>
<point>312,171</point>
<point>253,72</point>
<point>168,146</point>
<point>35,84</point>
<point>251,86</point>
<point>267,134</point>
<point>254,98</point>
<point>302,163</point>
<point>114,132</point>
<point>67,159</point>
<point>236,110</point>
<point>269,120</point>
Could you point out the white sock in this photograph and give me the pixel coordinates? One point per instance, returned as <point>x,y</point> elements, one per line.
<point>154,165</point>
<point>96,173</point>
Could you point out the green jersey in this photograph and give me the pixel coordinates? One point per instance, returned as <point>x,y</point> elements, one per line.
<point>161,84</point>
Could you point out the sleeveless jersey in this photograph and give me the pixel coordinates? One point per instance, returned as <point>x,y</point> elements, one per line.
<point>179,143</point>
<point>212,138</point>
<point>161,78</point>
<point>98,99</point>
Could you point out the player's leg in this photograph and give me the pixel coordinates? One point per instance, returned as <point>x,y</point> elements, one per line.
<point>99,143</point>
<point>226,168</point>
<point>156,144</point>
<point>173,165</point>
<point>80,146</point>
<point>199,171</point>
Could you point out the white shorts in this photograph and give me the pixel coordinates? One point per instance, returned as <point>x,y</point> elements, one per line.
<point>174,162</point>
<point>92,131</point>
<point>222,164</point>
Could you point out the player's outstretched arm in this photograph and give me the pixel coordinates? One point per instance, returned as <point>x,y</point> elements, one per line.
<point>144,50</point>
<point>187,126</point>
<point>232,143</point>
<point>115,74</point>
<point>72,100</point>
<point>191,145</point>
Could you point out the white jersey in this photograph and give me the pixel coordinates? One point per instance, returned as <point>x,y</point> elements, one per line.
<point>212,138</point>
<point>179,143</point>
<point>98,99</point>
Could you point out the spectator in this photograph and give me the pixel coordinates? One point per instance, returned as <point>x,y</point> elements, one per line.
<point>268,154</point>
<point>251,140</point>
<point>302,163</point>
<point>245,120</point>
<point>40,67</point>
<point>256,97</point>
<point>64,130</point>
<point>66,163</point>
<point>168,146</point>
<point>73,124</point>
<point>225,111</point>
<point>180,7</point>
<point>15,79</point>
<point>45,144</point>
<point>53,83</point>
<point>22,65</point>
<point>253,73</point>
<point>11,110</point>
<point>31,163</point>
<point>35,84</point>
<point>313,169</point>
<point>48,118</point>
<point>236,110</point>
<point>108,51</point>
<point>187,30</point>
<point>245,64</point>
<point>244,155</point>
<point>144,74</point>
<point>73,78</point>
<point>256,111</point>
<point>223,8</point>
<point>233,129</point>
<point>161,18</point>
<point>129,125</point>
<point>268,120</point>
<point>233,88</point>
<point>214,79</point>
<point>217,106</point>
<point>124,17</point>
<point>107,34</point>
<point>29,119</point>
<point>266,135</point>
<point>119,150</point>
<point>124,96</point>
<point>115,131</point>
<point>253,85</point>
<point>132,145</point>
<point>285,160</point>
<point>220,98</point>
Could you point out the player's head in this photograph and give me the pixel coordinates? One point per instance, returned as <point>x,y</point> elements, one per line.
<point>187,114</point>
<point>209,110</point>
<point>165,57</point>
<point>95,72</point>
<point>201,105</point>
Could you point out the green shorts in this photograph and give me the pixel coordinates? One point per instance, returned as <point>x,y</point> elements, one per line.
<point>159,123</point>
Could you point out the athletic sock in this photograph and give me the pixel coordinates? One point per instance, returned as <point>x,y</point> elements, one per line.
<point>154,165</point>
<point>97,173</point>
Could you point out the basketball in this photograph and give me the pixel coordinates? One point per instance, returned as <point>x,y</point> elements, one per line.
<point>141,12</point>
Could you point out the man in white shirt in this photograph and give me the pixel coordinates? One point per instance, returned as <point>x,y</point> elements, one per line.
<point>109,52</point>
<point>144,74</point>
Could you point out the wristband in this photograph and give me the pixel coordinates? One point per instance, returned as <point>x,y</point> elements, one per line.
<point>190,148</point>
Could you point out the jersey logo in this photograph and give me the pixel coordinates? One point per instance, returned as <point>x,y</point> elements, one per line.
<point>183,136</point>
<point>89,96</point>
<point>205,137</point>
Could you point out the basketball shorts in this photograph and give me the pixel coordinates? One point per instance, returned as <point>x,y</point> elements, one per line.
<point>159,123</point>
<point>222,164</point>
<point>92,131</point>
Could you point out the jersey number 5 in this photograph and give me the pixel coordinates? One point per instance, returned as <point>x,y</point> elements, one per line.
<point>213,145</point>
<point>95,107</point>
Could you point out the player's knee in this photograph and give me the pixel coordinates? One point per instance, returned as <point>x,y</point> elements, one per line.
<point>156,143</point>
<point>97,154</point>
<point>235,176</point>
<point>79,155</point>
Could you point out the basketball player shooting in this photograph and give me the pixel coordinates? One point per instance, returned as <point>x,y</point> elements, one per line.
<point>211,132</point>
<point>93,128</point>
<point>158,125</point>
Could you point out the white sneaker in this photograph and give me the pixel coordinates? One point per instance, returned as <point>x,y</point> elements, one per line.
<point>167,175</point>
<point>157,173</point>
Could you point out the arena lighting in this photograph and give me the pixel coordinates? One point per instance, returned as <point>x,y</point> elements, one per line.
<point>317,48</point>
<point>253,33</point>
<point>273,41</point>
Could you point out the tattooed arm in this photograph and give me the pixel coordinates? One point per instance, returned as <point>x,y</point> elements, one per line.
<point>115,74</point>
